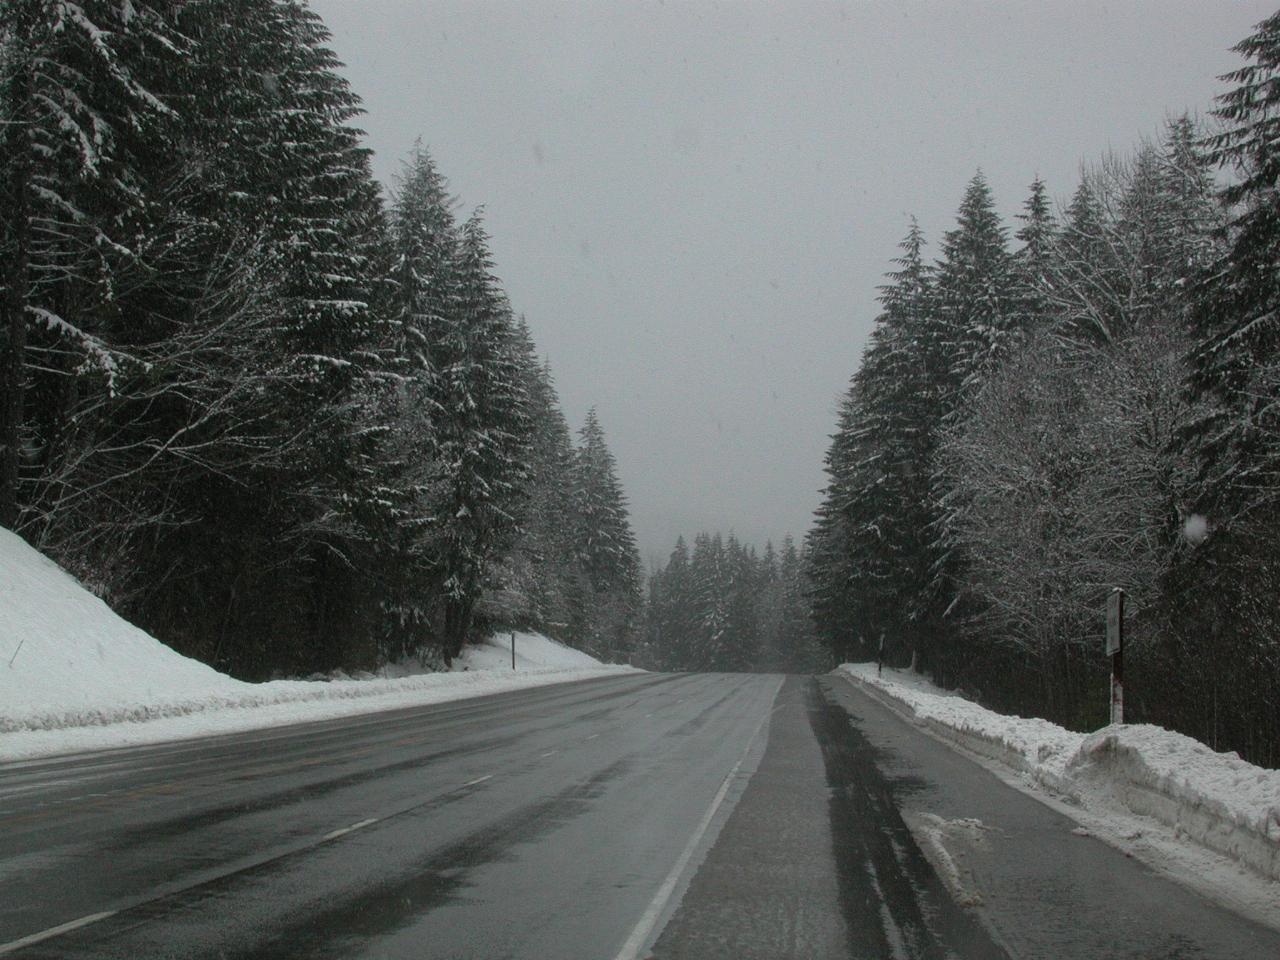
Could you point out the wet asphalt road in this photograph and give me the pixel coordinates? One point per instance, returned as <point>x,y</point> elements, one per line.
<point>724,815</point>
<point>533,824</point>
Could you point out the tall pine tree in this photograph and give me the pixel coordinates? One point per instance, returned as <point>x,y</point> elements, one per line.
<point>607,595</point>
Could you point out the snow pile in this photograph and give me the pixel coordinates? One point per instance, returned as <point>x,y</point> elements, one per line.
<point>1036,747</point>
<point>75,676</point>
<point>1215,799</point>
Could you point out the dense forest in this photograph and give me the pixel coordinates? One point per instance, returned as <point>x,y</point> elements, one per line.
<point>724,606</point>
<point>1088,404</point>
<point>282,423</point>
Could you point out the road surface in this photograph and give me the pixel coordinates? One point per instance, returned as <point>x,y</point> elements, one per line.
<point>674,816</point>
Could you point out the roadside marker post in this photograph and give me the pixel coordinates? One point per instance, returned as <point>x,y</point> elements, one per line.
<point>1115,650</point>
<point>513,649</point>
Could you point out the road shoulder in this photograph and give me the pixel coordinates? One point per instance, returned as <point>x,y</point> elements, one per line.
<point>815,861</point>
<point>1045,885</point>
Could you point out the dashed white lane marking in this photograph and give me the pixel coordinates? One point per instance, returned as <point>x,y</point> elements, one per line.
<point>648,715</point>
<point>61,928</point>
<point>334,834</point>
<point>649,919</point>
<point>29,787</point>
<point>549,753</point>
<point>593,736</point>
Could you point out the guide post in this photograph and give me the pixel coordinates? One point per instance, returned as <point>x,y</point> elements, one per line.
<point>1115,650</point>
<point>513,649</point>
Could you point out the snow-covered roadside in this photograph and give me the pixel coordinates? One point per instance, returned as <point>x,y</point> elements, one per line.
<point>75,676</point>
<point>1116,778</point>
<point>285,702</point>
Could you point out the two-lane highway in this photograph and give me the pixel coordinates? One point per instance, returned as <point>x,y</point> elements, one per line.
<point>686,817</point>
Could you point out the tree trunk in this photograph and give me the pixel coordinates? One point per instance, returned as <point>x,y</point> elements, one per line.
<point>457,624</point>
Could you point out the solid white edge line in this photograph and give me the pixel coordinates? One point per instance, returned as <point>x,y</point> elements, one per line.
<point>61,928</point>
<point>649,919</point>
<point>472,783</point>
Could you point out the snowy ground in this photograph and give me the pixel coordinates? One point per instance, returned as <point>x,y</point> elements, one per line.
<point>1142,788</point>
<point>74,676</point>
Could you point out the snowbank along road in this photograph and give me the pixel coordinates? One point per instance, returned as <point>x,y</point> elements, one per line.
<point>685,816</point>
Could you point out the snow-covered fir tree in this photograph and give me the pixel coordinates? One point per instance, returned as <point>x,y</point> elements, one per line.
<point>1034,262</point>
<point>973,291</point>
<point>80,106</point>
<point>1236,316</point>
<point>536,579</point>
<point>872,553</point>
<point>480,432</point>
<point>607,593</point>
<point>268,180</point>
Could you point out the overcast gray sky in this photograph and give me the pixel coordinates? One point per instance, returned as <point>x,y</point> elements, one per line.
<point>693,203</point>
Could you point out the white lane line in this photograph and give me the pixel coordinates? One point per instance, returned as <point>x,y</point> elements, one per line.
<point>95,917</point>
<point>549,753</point>
<point>61,928</point>
<point>334,834</point>
<point>593,736</point>
<point>29,787</point>
<point>649,919</point>
<point>648,715</point>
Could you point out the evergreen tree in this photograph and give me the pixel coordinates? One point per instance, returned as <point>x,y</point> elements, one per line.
<point>538,575</point>
<point>481,425</point>
<point>1035,263</point>
<point>871,550</point>
<point>265,178</point>
<point>1237,305</point>
<point>743,590</point>
<point>670,613</point>
<point>78,104</point>
<point>1085,277</point>
<point>421,259</point>
<point>709,576</point>
<point>797,643</point>
<point>607,594</point>
<point>973,293</point>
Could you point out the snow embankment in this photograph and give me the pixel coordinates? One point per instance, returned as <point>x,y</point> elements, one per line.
<point>75,676</point>
<point>1215,799</point>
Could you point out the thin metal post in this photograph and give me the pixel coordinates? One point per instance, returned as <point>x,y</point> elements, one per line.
<point>1117,687</point>
<point>513,649</point>
<point>1115,648</point>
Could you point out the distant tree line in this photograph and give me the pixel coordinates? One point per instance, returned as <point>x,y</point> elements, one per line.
<point>723,606</point>
<point>283,424</point>
<point>1092,406</point>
